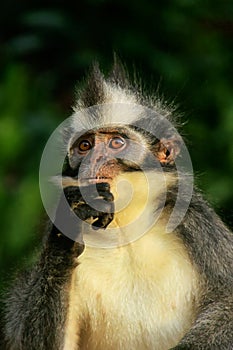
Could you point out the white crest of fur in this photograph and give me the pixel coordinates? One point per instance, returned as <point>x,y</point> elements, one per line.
<point>120,106</point>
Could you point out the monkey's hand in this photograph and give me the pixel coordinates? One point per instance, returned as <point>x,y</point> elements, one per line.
<point>92,203</point>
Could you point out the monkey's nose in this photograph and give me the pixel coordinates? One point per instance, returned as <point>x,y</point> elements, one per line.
<point>97,160</point>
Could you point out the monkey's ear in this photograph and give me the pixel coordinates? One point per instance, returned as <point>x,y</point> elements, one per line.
<point>167,150</point>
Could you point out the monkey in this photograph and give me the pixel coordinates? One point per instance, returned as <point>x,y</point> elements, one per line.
<point>123,280</point>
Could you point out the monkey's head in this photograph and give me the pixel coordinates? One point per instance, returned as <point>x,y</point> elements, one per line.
<point>115,129</point>
<point>118,134</point>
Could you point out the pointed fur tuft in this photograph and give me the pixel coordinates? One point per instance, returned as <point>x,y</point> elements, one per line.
<point>115,100</point>
<point>93,93</point>
<point>119,75</point>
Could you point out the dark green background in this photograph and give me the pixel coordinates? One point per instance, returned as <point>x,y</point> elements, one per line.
<point>46,47</point>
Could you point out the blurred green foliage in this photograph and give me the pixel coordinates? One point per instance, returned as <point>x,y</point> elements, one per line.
<point>183,46</point>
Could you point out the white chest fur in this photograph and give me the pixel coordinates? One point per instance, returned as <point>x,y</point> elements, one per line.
<point>140,296</point>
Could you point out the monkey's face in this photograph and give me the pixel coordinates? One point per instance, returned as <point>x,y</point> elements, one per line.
<point>100,156</point>
<point>99,153</point>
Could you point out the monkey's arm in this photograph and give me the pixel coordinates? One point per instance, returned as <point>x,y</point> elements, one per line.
<point>36,309</point>
<point>213,328</point>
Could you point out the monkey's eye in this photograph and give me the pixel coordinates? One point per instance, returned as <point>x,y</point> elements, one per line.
<point>84,146</point>
<point>117,142</point>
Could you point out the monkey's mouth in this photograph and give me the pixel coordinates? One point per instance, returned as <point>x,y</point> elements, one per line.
<point>98,179</point>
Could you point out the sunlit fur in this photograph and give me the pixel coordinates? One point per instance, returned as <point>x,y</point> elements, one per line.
<point>115,101</point>
<point>142,295</point>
